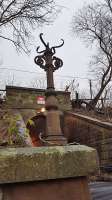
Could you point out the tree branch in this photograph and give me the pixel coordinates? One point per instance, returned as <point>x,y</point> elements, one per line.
<point>5,10</point>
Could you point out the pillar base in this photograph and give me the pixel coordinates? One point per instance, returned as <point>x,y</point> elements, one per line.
<point>61,189</point>
<point>55,140</point>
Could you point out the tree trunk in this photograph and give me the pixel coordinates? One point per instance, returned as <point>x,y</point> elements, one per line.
<point>92,104</point>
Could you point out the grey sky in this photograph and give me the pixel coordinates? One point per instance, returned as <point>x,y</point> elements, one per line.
<point>74,53</point>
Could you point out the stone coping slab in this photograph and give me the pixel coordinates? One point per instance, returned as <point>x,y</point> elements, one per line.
<point>44,163</point>
<point>92,120</point>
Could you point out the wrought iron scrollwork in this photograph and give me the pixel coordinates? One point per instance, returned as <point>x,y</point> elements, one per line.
<point>57,63</point>
<point>40,60</point>
<point>48,61</point>
<point>48,51</point>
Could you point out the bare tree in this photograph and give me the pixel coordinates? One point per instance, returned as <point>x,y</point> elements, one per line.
<point>93,24</point>
<point>19,16</point>
<point>72,86</point>
<point>39,83</point>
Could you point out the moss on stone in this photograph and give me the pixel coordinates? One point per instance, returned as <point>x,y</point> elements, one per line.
<point>43,163</point>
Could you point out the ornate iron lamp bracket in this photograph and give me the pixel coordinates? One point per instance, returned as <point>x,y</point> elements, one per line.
<point>47,59</point>
<point>41,61</point>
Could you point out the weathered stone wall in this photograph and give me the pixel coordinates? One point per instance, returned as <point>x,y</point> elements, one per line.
<point>91,132</point>
<point>19,97</point>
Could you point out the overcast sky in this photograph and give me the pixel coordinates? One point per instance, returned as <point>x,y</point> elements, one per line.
<point>74,53</point>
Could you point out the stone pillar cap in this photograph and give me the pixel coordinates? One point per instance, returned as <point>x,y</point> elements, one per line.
<point>44,163</point>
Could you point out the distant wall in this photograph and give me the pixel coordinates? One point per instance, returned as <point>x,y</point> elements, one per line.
<point>90,132</point>
<point>20,97</point>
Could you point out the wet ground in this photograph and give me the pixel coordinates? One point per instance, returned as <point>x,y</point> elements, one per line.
<point>101,190</point>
